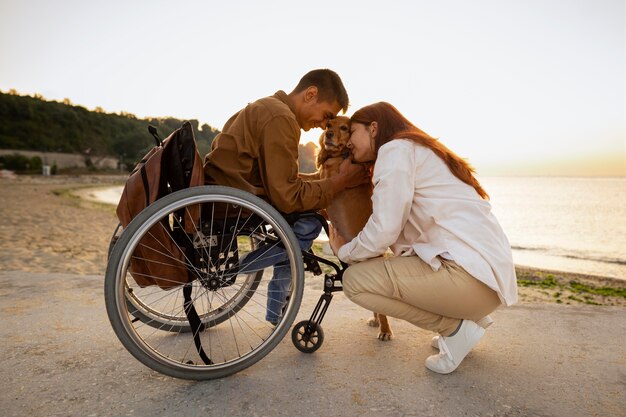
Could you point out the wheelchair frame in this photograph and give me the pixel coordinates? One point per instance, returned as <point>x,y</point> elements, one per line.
<point>150,322</point>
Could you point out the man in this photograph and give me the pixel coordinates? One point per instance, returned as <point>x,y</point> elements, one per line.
<point>257,151</point>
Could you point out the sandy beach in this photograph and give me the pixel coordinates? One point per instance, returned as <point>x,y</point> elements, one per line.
<point>48,226</point>
<point>45,228</point>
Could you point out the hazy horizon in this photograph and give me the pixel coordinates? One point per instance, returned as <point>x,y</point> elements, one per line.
<point>532,88</point>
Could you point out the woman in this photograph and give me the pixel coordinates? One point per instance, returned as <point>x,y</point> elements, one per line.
<point>452,263</point>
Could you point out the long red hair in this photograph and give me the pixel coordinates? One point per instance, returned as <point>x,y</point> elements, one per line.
<point>393,125</point>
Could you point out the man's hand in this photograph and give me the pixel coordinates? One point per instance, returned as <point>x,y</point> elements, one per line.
<point>335,240</point>
<point>350,175</point>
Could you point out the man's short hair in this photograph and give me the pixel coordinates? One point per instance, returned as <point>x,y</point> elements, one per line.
<point>329,87</point>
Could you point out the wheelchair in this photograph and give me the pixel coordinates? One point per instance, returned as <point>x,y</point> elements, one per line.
<point>209,322</point>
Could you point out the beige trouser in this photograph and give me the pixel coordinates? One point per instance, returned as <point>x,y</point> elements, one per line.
<point>407,288</point>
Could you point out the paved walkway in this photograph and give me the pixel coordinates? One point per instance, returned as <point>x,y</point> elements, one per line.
<point>59,356</point>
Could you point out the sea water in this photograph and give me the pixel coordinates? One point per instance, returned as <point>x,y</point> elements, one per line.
<point>561,223</point>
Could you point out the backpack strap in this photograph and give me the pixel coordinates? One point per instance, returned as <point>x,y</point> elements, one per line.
<point>146,183</point>
<point>195,323</point>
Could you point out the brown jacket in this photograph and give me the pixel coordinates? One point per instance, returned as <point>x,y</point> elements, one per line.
<point>257,152</point>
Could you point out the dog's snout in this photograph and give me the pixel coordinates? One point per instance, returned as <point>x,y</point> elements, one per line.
<point>329,134</point>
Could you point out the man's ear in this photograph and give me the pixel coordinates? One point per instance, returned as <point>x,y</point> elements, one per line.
<point>310,94</point>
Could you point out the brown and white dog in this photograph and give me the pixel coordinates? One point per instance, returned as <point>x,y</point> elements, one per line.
<point>349,210</point>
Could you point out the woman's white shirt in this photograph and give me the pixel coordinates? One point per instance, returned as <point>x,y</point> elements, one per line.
<point>420,208</point>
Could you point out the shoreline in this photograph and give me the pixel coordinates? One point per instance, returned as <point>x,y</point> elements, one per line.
<point>541,285</point>
<point>50,224</point>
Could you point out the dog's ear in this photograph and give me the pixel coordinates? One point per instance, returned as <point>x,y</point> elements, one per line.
<point>322,156</point>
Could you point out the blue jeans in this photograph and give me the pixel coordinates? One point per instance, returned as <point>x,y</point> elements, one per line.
<point>306,230</point>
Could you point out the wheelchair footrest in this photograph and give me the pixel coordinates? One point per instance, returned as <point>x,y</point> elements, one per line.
<point>312,265</point>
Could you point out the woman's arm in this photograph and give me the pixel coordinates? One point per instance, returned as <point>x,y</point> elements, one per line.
<point>394,188</point>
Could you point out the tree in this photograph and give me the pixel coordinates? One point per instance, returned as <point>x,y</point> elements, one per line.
<point>32,123</point>
<point>307,155</point>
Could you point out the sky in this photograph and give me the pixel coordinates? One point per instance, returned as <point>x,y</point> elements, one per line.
<point>527,87</point>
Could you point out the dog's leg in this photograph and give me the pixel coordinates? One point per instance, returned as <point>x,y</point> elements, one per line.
<point>385,333</point>
<point>374,322</point>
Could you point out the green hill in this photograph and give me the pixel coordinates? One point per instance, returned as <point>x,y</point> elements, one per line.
<point>33,123</point>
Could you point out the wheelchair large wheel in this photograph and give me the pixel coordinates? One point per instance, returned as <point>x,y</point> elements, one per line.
<point>142,306</point>
<point>230,296</point>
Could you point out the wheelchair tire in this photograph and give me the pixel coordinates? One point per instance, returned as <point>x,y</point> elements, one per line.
<point>235,333</point>
<point>307,337</point>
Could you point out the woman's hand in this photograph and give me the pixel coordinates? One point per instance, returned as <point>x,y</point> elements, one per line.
<point>335,240</point>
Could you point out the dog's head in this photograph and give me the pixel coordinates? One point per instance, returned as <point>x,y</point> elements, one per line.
<point>334,140</point>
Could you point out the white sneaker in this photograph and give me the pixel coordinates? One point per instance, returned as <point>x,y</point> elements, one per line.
<point>453,349</point>
<point>484,323</point>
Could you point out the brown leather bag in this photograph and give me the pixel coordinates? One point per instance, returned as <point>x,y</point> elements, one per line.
<point>170,166</point>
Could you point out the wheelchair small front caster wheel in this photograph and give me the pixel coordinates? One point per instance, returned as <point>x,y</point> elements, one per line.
<point>307,337</point>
